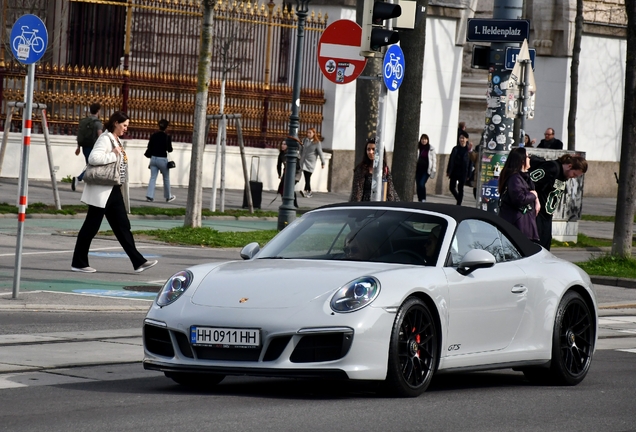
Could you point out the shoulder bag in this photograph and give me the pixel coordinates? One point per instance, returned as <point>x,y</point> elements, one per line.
<point>105,175</point>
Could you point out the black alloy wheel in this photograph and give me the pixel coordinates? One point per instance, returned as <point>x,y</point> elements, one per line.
<point>572,344</point>
<point>413,350</point>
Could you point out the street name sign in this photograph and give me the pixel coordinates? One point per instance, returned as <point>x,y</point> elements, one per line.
<point>339,52</point>
<point>497,30</point>
<point>512,55</point>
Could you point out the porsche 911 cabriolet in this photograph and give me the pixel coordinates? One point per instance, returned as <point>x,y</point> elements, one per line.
<point>392,292</point>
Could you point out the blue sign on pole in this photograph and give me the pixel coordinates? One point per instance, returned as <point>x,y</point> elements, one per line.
<point>511,57</point>
<point>393,67</point>
<point>29,39</point>
<point>497,30</point>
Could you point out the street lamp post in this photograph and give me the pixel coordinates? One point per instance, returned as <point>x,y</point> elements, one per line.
<point>287,212</point>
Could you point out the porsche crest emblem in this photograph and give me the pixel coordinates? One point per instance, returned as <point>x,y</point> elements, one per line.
<point>243,300</point>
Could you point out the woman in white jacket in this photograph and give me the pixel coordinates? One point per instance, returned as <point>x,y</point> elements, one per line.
<point>426,166</point>
<point>107,201</point>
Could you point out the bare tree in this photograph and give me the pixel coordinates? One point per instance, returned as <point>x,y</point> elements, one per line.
<point>231,40</point>
<point>367,96</point>
<point>622,244</point>
<point>574,75</point>
<point>408,109</point>
<point>195,189</point>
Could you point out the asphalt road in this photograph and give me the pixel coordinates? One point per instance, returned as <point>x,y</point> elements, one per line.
<point>126,398</point>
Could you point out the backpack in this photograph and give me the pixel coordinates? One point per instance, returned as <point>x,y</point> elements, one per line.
<point>87,132</point>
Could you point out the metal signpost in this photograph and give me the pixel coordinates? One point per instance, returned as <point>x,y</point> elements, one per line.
<point>393,68</point>
<point>28,41</point>
<point>339,52</point>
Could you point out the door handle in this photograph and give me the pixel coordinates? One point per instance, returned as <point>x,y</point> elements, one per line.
<point>519,289</point>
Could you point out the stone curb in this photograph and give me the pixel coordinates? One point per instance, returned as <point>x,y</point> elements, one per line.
<point>614,281</point>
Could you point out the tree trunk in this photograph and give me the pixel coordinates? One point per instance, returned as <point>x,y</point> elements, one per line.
<point>407,126</point>
<point>195,187</point>
<point>574,75</point>
<point>367,95</point>
<point>623,226</point>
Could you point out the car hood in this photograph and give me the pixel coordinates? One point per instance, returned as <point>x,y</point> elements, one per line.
<point>277,284</point>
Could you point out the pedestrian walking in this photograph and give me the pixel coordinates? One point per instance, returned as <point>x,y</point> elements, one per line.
<point>159,145</point>
<point>312,150</point>
<point>107,201</point>
<point>88,130</point>
<point>550,179</point>
<point>426,166</point>
<point>281,166</point>
<point>457,168</point>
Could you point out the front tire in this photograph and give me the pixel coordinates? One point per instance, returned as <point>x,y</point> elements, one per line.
<point>413,350</point>
<point>195,380</point>
<point>572,344</point>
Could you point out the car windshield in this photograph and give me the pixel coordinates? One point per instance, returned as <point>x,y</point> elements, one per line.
<point>361,235</point>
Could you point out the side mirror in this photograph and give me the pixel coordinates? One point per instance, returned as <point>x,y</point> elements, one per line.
<point>250,250</point>
<point>475,259</point>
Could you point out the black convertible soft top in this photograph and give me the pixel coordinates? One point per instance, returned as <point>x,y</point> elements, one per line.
<point>459,213</point>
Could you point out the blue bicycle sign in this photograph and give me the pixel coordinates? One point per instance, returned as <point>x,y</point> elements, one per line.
<point>393,67</point>
<point>29,39</point>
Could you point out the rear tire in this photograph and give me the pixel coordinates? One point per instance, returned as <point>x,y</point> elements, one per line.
<point>413,350</point>
<point>195,380</point>
<point>572,344</point>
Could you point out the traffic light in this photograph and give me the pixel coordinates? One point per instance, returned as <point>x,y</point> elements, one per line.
<point>374,33</point>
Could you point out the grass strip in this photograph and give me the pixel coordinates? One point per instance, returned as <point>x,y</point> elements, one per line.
<point>610,265</point>
<point>207,237</point>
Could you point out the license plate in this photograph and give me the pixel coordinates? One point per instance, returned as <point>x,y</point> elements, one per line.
<point>225,337</point>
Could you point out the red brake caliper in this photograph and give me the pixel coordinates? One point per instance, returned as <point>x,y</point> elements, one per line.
<point>417,339</point>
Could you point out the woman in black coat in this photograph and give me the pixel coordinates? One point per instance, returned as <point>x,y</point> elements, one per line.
<point>519,203</point>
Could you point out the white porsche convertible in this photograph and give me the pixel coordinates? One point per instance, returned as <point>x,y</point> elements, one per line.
<point>393,292</point>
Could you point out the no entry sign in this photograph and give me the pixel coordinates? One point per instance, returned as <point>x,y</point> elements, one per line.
<point>339,52</point>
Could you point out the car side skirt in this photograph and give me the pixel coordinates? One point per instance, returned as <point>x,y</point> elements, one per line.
<point>486,367</point>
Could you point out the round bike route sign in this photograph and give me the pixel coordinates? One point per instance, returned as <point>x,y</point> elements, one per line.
<point>393,67</point>
<point>29,39</point>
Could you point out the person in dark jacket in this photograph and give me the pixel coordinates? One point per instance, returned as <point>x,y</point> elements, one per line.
<point>281,165</point>
<point>457,169</point>
<point>159,145</point>
<point>426,166</point>
<point>519,202</point>
<point>550,142</point>
<point>549,179</point>
<point>361,188</point>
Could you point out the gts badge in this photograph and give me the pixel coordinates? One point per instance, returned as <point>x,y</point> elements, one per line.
<point>454,347</point>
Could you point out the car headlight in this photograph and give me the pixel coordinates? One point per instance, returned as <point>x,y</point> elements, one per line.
<point>355,295</point>
<point>174,287</point>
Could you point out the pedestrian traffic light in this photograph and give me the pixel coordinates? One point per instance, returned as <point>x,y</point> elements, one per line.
<point>374,33</point>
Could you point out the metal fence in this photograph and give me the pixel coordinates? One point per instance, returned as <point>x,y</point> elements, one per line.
<point>141,56</point>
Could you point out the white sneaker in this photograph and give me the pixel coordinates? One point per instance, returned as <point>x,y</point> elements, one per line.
<point>146,266</point>
<point>83,269</point>
<point>172,198</point>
